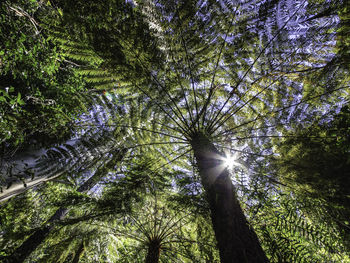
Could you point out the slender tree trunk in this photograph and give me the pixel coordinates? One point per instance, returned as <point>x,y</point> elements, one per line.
<point>78,253</point>
<point>18,187</point>
<point>153,252</point>
<point>237,241</point>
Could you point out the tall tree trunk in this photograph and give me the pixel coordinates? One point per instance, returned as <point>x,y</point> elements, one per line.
<point>237,241</point>
<point>17,187</point>
<point>153,252</point>
<point>78,253</point>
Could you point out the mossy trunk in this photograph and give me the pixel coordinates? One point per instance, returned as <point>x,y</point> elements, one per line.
<point>236,240</point>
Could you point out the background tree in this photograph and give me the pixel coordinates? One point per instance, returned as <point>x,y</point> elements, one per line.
<point>316,165</point>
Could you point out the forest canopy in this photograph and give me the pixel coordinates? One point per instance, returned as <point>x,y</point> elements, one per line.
<point>174,131</point>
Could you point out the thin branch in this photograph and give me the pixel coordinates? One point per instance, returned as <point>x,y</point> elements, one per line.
<point>20,12</point>
<point>158,104</point>
<point>301,71</point>
<point>164,234</point>
<point>166,126</point>
<point>239,108</point>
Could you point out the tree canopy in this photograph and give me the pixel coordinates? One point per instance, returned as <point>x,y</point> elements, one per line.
<point>174,131</point>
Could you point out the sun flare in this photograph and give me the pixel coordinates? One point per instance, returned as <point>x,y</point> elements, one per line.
<point>230,161</point>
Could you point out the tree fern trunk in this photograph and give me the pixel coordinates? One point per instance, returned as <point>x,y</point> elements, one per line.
<point>237,241</point>
<point>153,252</point>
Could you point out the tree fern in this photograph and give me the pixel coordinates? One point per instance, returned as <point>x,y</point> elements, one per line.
<point>195,106</point>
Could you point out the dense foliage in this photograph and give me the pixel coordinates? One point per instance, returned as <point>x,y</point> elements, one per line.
<point>39,91</point>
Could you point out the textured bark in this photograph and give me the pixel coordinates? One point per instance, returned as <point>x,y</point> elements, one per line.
<point>153,252</point>
<point>237,241</point>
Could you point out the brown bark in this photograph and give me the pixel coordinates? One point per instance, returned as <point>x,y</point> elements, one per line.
<point>237,241</point>
<point>153,252</point>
